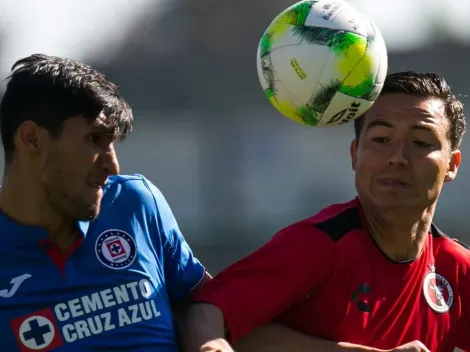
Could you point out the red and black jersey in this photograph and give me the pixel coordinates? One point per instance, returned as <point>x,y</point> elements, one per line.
<point>326,277</point>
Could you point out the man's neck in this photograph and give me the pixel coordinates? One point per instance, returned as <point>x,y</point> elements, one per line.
<point>25,204</point>
<point>401,237</point>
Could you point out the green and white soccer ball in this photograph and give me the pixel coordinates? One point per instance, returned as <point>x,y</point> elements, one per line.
<point>322,63</point>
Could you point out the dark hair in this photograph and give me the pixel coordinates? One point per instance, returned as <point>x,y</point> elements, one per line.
<point>49,90</point>
<point>426,85</point>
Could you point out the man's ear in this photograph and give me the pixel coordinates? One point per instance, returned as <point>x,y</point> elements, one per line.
<point>28,136</point>
<point>31,139</point>
<point>454,164</point>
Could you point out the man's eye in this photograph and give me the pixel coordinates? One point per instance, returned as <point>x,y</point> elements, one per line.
<point>380,139</point>
<point>422,144</point>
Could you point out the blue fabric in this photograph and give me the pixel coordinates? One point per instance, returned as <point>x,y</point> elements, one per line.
<point>115,289</point>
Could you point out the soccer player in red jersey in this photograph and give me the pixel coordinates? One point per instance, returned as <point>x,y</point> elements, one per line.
<point>373,274</point>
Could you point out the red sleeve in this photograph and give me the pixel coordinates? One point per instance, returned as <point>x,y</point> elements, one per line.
<point>463,340</point>
<point>260,287</point>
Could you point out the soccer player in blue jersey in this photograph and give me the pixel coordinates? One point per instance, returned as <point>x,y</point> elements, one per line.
<point>90,260</point>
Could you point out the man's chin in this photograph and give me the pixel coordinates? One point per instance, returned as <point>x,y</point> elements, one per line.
<point>90,214</point>
<point>396,202</point>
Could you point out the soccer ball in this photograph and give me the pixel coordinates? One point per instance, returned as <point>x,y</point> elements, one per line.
<point>322,63</point>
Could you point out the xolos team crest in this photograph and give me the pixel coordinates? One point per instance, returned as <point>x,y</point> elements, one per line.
<point>438,292</point>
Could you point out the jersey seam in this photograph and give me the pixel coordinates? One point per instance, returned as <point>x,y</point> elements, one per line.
<point>167,240</point>
<point>168,243</point>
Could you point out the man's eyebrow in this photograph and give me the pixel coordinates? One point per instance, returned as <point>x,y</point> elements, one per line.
<point>103,128</point>
<point>423,128</point>
<point>387,124</point>
<point>378,122</point>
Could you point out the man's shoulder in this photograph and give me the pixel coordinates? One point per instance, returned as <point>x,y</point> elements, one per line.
<point>133,191</point>
<point>136,185</point>
<point>128,182</point>
<point>449,246</point>
<point>332,222</point>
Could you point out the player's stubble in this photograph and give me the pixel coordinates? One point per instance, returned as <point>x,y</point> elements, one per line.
<point>66,189</point>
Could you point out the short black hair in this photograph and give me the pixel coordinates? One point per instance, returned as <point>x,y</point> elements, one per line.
<point>49,90</point>
<point>426,85</point>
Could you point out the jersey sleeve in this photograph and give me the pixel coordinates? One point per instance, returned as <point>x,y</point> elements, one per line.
<point>463,338</point>
<point>183,271</point>
<point>260,287</point>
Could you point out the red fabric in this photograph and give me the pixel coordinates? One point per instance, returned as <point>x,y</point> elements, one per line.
<point>56,254</point>
<point>346,289</point>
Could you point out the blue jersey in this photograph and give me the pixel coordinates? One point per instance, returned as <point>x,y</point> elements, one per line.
<point>111,292</point>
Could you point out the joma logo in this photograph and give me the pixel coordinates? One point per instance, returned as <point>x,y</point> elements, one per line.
<point>16,282</point>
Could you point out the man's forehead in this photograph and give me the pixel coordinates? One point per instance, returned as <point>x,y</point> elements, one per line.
<point>408,108</point>
<point>436,107</point>
<point>99,124</point>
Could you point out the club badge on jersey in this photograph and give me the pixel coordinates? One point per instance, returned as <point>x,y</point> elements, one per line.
<point>437,291</point>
